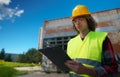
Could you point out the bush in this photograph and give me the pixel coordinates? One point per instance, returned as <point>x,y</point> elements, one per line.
<point>47,72</point>
<point>6,71</point>
<point>58,71</point>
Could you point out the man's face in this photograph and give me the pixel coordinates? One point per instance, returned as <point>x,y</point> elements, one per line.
<point>80,24</point>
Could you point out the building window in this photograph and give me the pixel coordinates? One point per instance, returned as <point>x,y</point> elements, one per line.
<point>57,41</point>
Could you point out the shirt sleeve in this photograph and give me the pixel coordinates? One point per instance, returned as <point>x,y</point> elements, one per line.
<point>109,64</point>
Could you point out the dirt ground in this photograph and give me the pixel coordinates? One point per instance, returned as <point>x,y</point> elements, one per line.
<point>39,74</point>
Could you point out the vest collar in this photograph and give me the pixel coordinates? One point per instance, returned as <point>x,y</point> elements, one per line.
<point>83,39</point>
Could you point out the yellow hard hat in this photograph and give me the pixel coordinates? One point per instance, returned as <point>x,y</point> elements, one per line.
<point>80,10</point>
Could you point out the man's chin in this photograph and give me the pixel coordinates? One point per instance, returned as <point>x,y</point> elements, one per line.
<point>80,30</point>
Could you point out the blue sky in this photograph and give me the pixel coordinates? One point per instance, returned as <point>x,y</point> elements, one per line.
<point>20,20</point>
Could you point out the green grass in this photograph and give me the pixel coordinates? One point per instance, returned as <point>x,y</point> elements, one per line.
<point>7,68</point>
<point>16,64</point>
<point>19,73</point>
<point>6,71</point>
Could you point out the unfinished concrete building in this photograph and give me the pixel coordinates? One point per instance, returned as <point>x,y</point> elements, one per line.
<point>59,31</point>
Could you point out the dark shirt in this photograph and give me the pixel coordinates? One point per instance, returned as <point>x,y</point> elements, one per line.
<point>109,64</point>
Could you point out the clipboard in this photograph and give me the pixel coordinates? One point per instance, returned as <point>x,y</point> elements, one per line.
<point>58,56</point>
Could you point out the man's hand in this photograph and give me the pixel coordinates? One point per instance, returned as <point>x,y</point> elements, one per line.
<point>75,66</point>
<point>80,69</point>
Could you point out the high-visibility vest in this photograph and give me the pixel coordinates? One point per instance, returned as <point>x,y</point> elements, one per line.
<point>87,51</point>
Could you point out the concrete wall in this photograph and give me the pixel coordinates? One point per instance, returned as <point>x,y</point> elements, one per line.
<point>58,27</point>
<point>108,18</point>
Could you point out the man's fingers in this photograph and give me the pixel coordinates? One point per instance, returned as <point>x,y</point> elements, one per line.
<point>71,66</point>
<point>71,62</point>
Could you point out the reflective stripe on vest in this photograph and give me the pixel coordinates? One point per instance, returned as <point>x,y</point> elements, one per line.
<point>89,62</point>
<point>87,51</point>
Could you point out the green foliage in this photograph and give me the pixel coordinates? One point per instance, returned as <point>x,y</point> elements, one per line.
<point>8,58</point>
<point>7,68</point>
<point>6,71</point>
<point>48,72</point>
<point>58,71</point>
<point>31,56</point>
<point>2,54</point>
<point>22,58</point>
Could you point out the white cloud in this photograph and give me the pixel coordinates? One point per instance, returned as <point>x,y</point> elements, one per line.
<point>19,12</point>
<point>6,2</point>
<point>7,12</point>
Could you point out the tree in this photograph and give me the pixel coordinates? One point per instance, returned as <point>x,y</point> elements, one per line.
<point>31,56</point>
<point>8,57</point>
<point>2,54</point>
<point>22,58</point>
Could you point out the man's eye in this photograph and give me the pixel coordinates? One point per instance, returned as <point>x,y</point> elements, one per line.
<point>74,21</point>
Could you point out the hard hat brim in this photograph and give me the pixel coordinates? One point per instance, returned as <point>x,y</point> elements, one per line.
<point>73,17</point>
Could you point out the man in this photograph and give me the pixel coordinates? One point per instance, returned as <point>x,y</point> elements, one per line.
<point>91,51</point>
